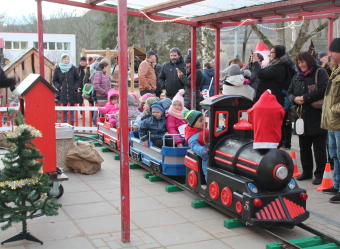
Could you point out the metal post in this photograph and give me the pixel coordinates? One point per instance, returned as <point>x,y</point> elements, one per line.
<point>193,68</point>
<point>123,118</point>
<point>40,39</point>
<point>217,59</point>
<point>330,30</point>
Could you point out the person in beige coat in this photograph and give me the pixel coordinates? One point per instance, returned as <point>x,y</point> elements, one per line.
<point>330,120</point>
<point>147,75</point>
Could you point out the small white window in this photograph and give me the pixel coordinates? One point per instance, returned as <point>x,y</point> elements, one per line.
<point>24,45</point>
<point>16,45</point>
<point>51,45</point>
<point>8,45</point>
<point>67,46</point>
<point>59,46</point>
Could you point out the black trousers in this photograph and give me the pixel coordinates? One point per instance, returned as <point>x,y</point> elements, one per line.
<point>306,155</point>
<point>287,132</point>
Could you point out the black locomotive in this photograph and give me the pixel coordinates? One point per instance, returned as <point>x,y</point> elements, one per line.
<point>256,184</point>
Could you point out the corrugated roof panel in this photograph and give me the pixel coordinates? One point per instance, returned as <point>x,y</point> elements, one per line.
<point>199,9</point>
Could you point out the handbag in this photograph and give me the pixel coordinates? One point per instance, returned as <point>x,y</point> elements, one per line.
<point>299,126</point>
<point>316,104</point>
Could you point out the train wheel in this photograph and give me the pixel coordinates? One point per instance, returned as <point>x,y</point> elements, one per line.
<point>192,179</point>
<point>226,196</point>
<point>214,190</point>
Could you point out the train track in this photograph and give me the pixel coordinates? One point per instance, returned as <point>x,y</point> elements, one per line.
<point>285,243</point>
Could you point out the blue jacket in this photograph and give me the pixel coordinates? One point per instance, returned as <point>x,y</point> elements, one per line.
<point>156,127</point>
<point>207,75</point>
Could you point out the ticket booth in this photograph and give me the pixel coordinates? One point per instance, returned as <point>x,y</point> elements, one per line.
<point>36,103</point>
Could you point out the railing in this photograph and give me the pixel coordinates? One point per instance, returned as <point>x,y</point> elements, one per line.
<point>81,123</point>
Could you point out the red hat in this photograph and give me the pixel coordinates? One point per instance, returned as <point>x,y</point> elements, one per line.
<point>266,116</point>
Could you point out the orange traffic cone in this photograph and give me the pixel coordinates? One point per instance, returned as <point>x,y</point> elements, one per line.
<point>296,170</point>
<point>327,179</point>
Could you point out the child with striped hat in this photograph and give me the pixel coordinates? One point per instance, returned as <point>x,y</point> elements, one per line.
<point>196,137</point>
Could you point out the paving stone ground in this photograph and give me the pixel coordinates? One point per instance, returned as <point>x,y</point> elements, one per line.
<point>90,216</point>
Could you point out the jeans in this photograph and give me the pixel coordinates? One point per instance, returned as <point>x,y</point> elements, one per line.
<point>66,116</point>
<point>334,152</point>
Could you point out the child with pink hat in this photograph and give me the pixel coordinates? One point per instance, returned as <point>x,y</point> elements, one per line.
<point>143,99</point>
<point>175,120</point>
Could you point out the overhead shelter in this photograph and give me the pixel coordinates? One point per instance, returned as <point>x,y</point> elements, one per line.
<point>215,13</point>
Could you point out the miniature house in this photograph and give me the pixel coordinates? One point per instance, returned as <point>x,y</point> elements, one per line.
<point>36,101</point>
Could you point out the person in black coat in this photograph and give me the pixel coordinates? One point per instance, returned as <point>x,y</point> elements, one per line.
<point>7,81</point>
<point>81,71</point>
<point>168,78</point>
<point>313,135</point>
<point>67,81</point>
<point>186,81</point>
<point>208,78</point>
<point>274,75</point>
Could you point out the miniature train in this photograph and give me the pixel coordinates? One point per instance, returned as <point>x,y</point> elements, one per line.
<point>255,184</point>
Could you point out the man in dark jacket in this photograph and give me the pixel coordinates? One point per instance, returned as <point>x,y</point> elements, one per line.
<point>7,82</point>
<point>81,71</point>
<point>168,78</point>
<point>158,69</point>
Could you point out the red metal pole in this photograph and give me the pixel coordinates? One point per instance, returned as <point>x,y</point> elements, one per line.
<point>193,68</point>
<point>330,30</point>
<point>40,39</point>
<point>217,59</point>
<point>123,118</point>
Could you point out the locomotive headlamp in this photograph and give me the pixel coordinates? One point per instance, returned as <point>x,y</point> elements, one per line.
<point>280,172</point>
<point>257,202</point>
<point>303,196</point>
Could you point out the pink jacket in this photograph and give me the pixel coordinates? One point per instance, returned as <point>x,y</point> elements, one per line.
<point>172,125</point>
<point>109,108</point>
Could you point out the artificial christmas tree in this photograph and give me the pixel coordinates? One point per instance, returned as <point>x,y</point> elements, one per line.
<point>24,188</point>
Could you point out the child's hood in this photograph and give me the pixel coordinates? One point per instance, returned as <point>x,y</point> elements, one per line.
<point>236,80</point>
<point>111,93</point>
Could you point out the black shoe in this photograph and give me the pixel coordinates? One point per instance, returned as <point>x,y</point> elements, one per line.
<point>335,199</point>
<point>303,177</point>
<point>330,191</point>
<point>317,181</point>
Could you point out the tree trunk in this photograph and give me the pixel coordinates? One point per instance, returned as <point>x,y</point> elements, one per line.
<point>204,42</point>
<point>280,33</point>
<point>245,41</point>
<point>262,37</point>
<point>301,38</point>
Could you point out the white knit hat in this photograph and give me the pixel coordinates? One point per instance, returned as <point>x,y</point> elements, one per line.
<point>179,97</point>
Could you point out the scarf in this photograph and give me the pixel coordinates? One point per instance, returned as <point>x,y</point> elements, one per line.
<point>65,67</point>
<point>189,131</point>
<point>177,114</point>
<point>303,75</point>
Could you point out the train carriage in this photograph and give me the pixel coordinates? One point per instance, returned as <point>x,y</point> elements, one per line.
<point>256,184</point>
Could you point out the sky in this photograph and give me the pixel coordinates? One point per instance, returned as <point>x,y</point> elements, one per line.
<point>18,8</point>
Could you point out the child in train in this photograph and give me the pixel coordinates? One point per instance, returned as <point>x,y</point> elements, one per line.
<point>195,136</point>
<point>154,128</point>
<point>175,119</point>
<point>146,112</point>
<point>133,112</point>
<point>143,100</point>
<point>111,107</point>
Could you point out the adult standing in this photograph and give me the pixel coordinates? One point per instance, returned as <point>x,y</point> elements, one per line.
<point>102,85</point>
<point>252,66</point>
<point>158,69</point>
<point>208,76</point>
<point>331,119</point>
<point>66,79</point>
<point>186,81</point>
<point>146,74</point>
<point>309,73</point>
<point>168,77</point>
<point>275,74</point>
<point>94,66</point>
<point>81,71</point>
<point>7,81</point>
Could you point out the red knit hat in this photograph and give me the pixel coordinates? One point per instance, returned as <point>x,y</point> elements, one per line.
<point>266,116</point>
<point>136,96</point>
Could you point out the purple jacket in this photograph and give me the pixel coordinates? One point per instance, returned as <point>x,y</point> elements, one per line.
<point>172,125</point>
<point>102,84</point>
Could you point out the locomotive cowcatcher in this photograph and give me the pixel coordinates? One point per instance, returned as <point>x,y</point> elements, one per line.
<point>255,184</point>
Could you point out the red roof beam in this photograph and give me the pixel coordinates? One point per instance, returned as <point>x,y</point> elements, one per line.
<point>168,5</point>
<point>255,9</point>
<point>115,10</point>
<point>94,1</point>
<point>274,20</point>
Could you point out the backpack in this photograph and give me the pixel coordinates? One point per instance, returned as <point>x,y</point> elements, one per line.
<point>87,91</point>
